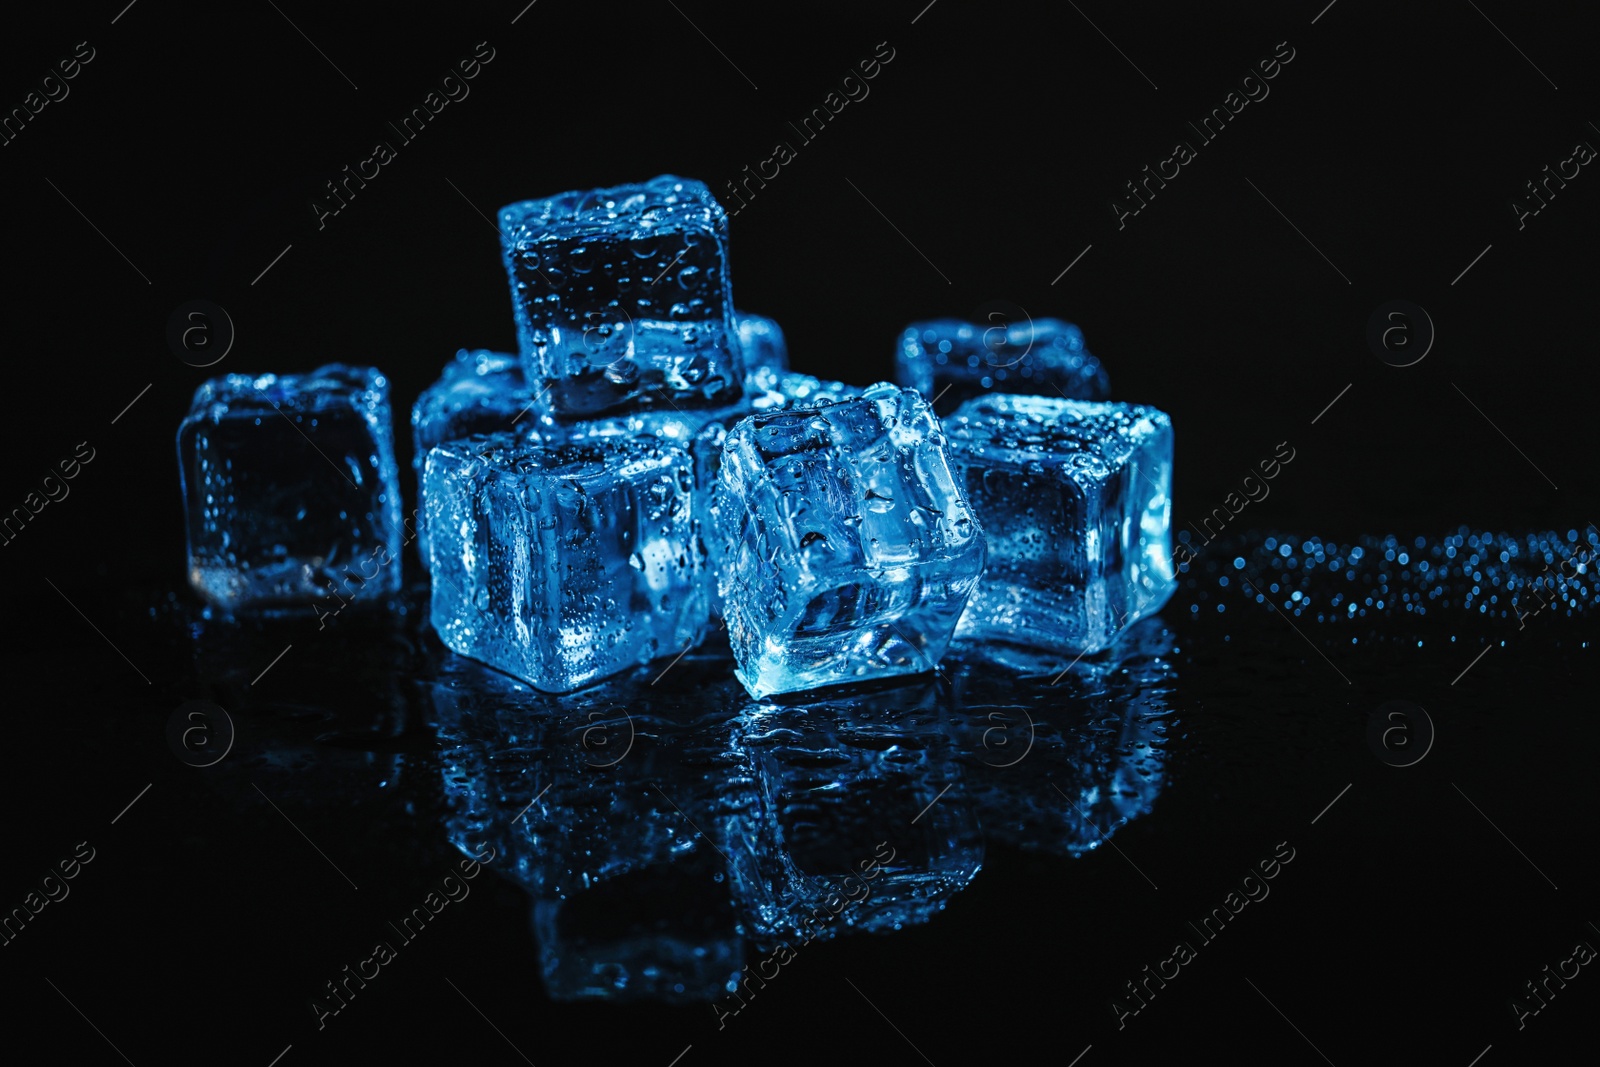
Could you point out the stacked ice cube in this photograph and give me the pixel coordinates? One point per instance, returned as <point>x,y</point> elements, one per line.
<point>622,298</point>
<point>648,463</point>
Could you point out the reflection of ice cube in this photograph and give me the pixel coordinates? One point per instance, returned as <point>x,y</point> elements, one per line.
<point>864,813</point>
<point>346,730</point>
<point>479,392</point>
<point>622,297</point>
<point>954,361</point>
<point>562,563</point>
<point>595,803</point>
<point>845,544</point>
<point>1059,768</point>
<point>1075,500</point>
<point>860,818</point>
<point>291,490</point>
<point>665,933</point>
<point>761,341</point>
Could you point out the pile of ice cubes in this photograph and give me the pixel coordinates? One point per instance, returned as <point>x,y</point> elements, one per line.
<point>648,469</point>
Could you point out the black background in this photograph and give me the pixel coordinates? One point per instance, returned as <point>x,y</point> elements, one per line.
<point>984,160</point>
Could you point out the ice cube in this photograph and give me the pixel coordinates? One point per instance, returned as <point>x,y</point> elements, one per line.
<point>1075,500</point>
<point>951,361</point>
<point>291,491</point>
<point>761,341</point>
<point>766,389</point>
<point>562,563</point>
<point>622,298</point>
<point>479,392</point>
<point>697,431</point>
<point>846,546</point>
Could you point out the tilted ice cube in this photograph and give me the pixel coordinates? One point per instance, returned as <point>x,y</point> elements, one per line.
<point>845,543</point>
<point>622,298</point>
<point>952,361</point>
<point>1075,498</point>
<point>860,816</point>
<point>761,341</point>
<point>562,563</point>
<point>290,488</point>
<point>479,392</point>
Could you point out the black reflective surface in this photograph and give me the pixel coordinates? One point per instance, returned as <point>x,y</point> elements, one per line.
<point>668,864</point>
